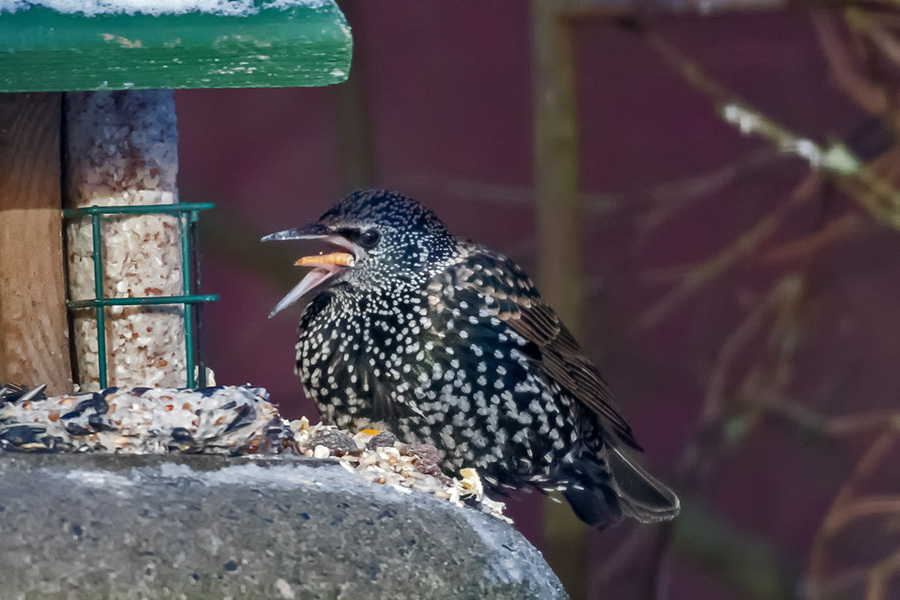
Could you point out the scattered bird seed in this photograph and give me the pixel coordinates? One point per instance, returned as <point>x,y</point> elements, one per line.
<point>385,438</point>
<point>335,441</point>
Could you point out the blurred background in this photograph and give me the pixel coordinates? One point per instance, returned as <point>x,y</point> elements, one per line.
<point>707,193</point>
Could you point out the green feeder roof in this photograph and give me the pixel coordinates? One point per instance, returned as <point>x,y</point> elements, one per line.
<point>67,45</point>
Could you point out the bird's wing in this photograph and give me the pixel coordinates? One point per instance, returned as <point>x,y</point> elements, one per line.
<point>506,292</point>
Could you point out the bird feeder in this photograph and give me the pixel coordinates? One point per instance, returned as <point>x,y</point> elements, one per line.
<point>98,261</point>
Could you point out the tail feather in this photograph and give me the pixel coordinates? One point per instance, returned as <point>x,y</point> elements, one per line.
<point>602,492</point>
<point>641,496</point>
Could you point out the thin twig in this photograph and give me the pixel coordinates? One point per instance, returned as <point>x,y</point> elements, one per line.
<point>675,196</point>
<point>844,68</point>
<point>699,276</point>
<point>862,508</point>
<point>880,575</point>
<point>838,230</point>
<point>836,427</point>
<point>783,293</point>
<point>818,561</point>
<point>498,193</point>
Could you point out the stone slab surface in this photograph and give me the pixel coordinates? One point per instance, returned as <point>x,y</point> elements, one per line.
<point>151,527</point>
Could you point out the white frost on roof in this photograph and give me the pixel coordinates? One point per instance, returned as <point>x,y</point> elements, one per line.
<point>90,8</point>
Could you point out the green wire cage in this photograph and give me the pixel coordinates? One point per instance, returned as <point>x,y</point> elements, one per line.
<point>191,301</point>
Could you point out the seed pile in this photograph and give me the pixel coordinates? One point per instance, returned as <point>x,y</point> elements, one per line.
<point>222,420</point>
<point>227,420</point>
<point>380,457</point>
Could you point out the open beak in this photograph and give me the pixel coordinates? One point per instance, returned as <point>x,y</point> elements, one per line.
<point>325,266</point>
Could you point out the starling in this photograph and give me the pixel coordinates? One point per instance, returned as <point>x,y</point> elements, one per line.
<point>442,341</point>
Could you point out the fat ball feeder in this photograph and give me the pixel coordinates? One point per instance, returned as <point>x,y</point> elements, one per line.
<point>87,100</point>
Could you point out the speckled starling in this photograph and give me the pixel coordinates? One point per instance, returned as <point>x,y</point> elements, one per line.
<point>443,341</point>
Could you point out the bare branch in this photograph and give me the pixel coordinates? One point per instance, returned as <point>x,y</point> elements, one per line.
<point>848,226</point>
<point>846,507</point>
<point>844,67</point>
<point>698,276</point>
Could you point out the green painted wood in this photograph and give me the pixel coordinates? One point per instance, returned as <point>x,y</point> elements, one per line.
<point>43,50</point>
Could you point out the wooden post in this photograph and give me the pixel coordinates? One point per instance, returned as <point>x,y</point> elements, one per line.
<point>559,256</point>
<point>356,140</point>
<point>34,347</point>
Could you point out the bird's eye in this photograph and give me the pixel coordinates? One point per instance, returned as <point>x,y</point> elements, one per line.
<point>368,238</point>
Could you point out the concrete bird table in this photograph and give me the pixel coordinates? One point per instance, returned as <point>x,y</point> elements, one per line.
<point>98,301</point>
